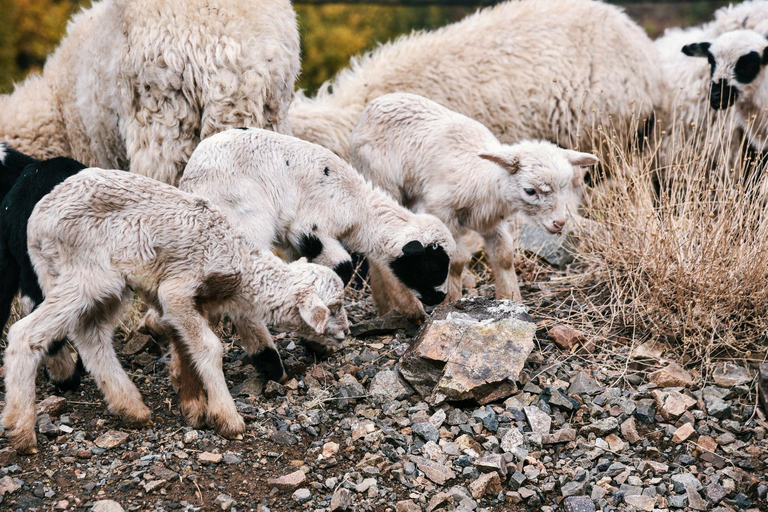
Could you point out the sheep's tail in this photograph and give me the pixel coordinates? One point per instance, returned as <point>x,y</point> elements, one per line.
<point>9,283</point>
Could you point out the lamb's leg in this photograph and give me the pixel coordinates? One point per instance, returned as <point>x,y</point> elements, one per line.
<point>500,247</point>
<point>93,340</point>
<point>205,352</point>
<point>28,341</point>
<point>187,382</point>
<point>458,265</point>
<point>399,297</point>
<point>261,348</point>
<point>378,288</point>
<point>9,284</point>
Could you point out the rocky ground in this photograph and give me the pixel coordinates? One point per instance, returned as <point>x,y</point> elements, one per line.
<point>584,428</point>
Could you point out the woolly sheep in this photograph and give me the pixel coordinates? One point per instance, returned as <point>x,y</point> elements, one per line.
<point>737,61</point>
<point>136,84</point>
<point>441,162</point>
<point>526,69</point>
<point>102,234</point>
<point>300,197</point>
<point>16,272</point>
<point>687,80</point>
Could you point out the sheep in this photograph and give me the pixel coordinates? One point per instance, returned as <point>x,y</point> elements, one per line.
<point>439,161</point>
<point>737,60</point>
<point>524,69</point>
<point>102,234</point>
<point>303,199</point>
<point>687,80</point>
<point>136,84</point>
<point>30,185</point>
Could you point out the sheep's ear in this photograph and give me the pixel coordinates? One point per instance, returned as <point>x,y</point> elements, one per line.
<point>413,248</point>
<point>509,162</point>
<point>303,259</point>
<point>314,312</point>
<point>579,159</point>
<point>696,49</point>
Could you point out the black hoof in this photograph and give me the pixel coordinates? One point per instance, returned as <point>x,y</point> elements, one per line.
<point>268,364</point>
<point>73,382</point>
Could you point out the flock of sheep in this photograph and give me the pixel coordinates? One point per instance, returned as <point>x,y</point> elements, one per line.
<point>417,145</point>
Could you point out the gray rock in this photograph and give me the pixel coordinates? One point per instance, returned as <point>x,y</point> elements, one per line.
<point>302,495</point>
<point>682,481</point>
<point>574,488</point>
<point>426,431</point>
<point>225,501</point>
<point>341,500</point>
<point>107,506</point>
<point>388,386</point>
<point>578,504</point>
<point>555,250</point>
<point>539,421</point>
<point>583,384</point>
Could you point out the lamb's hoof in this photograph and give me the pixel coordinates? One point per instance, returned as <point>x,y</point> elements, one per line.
<point>231,428</point>
<point>25,443</point>
<point>194,413</point>
<point>141,420</point>
<point>322,349</point>
<point>268,364</point>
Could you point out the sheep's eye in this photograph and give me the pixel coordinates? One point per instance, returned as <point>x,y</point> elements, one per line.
<point>530,191</point>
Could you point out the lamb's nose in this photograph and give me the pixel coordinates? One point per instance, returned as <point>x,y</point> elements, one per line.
<point>558,225</point>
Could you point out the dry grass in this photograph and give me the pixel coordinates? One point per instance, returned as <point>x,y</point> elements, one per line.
<point>688,266</point>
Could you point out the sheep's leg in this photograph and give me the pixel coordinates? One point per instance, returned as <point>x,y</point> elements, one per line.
<point>459,263</point>
<point>261,348</point>
<point>378,288</point>
<point>500,246</point>
<point>9,284</point>
<point>187,382</point>
<point>28,341</point>
<point>205,353</point>
<point>63,371</point>
<point>93,340</point>
<point>399,297</point>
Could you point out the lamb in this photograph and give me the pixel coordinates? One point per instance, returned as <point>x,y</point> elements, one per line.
<point>301,198</point>
<point>136,84</point>
<point>101,235</point>
<point>29,186</point>
<point>687,80</point>
<point>498,68</point>
<point>439,161</point>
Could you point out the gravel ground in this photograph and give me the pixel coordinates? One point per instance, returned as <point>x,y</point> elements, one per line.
<point>582,433</point>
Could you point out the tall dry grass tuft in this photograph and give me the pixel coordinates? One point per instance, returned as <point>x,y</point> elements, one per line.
<point>682,251</point>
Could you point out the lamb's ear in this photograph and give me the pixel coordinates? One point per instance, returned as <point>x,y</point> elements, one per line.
<point>303,259</point>
<point>696,49</point>
<point>413,248</point>
<point>314,312</point>
<point>579,159</point>
<point>509,162</point>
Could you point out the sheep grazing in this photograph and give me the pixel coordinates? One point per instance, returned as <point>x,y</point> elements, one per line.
<point>136,84</point>
<point>737,61</point>
<point>101,235</point>
<point>301,198</point>
<point>496,67</point>
<point>34,180</point>
<point>441,162</point>
<point>688,80</point>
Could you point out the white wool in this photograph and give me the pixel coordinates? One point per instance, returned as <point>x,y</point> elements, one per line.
<point>2,152</point>
<point>279,189</point>
<point>136,84</point>
<point>99,236</point>
<point>688,79</point>
<point>444,163</point>
<point>527,69</point>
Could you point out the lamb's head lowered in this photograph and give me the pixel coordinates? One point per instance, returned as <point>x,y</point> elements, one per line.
<point>317,313</point>
<point>420,256</point>
<point>736,61</point>
<point>540,177</point>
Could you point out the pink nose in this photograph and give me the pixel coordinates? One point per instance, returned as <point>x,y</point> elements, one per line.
<point>558,225</point>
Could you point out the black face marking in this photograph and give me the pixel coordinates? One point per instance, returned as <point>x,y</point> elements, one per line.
<point>344,270</point>
<point>722,95</point>
<point>696,49</point>
<point>287,162</point>
<point>712,64</point>
<point>268,364</point>
<point>423,271</point>
<point>413,248</point>
<point>314,227</point>
<point>327,171</point>
<point>242,128</point>
<point>310,246</point>
<point>747,67</point>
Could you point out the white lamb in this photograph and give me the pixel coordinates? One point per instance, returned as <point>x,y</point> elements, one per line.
<point>438,161</point>
<point>300,197</point>
<point>99,236</point>
<point>688,80</point>
<point>527,69</point>
<point>136,84</point>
